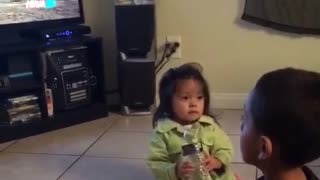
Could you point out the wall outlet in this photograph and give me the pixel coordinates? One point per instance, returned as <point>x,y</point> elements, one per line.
<point>172,39</point>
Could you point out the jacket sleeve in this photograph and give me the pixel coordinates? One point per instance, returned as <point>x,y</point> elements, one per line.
<point>222,147</point>
<point>158,159</point>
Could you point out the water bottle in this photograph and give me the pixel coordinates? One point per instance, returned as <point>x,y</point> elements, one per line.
<point>192,152</point>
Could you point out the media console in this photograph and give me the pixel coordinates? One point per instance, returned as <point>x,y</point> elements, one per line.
<point>50,85</point>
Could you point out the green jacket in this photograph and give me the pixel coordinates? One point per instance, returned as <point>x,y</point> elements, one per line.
<point>167,139</point>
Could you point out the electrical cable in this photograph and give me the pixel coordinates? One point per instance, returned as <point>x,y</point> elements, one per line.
<point>173,48</point>
<point>163,55</point>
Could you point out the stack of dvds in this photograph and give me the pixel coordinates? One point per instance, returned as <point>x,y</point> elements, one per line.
<point>23,109</point>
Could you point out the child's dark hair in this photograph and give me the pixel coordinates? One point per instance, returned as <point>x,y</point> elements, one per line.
<point>286,108</point>
<point>168,86</point>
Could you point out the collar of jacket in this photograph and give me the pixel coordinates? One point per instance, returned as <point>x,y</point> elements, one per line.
<point>165,125</point>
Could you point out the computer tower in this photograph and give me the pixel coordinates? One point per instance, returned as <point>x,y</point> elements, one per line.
<point>135,33</point>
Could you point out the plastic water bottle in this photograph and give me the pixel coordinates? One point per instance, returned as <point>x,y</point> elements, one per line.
<point>192,152</point>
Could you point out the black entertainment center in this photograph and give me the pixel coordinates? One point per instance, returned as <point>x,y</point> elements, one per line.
<point>51,72</point>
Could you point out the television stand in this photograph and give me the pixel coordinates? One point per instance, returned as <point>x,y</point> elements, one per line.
<point>23,63</point>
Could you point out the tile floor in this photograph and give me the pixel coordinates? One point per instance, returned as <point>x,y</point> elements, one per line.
<point>110,148</point>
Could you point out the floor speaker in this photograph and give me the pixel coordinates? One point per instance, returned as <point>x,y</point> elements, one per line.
<point>137,85</point>
<point>135,34</point>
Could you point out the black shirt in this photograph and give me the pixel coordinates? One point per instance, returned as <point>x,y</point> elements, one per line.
<point>309,174</point>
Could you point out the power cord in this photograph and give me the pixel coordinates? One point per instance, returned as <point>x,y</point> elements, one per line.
<point>172,47</point>
<point>167,45</point>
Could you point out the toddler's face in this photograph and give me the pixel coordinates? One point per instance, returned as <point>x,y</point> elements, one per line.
<point>188,100</point>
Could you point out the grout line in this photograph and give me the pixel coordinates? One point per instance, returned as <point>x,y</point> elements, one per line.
<point>114,123</point>
<point>142,132</point>
<point>112,157</point>
<point>87,150</point>
<point>50,154</point>
<point>17,140</point>
<point>132,158</point>
<point>4,149</point>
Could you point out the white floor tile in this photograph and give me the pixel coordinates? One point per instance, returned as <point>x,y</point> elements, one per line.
<point>230,121</point>
<point>70,141</point>
<point>92,168</point>
<point>36,167</point>
<point>121,144</point>
<point>127,138</point>
<point>315,163</point>
<point>236,147</point>
<point>246,172</point>
<point>133,124</point>
<point>5,145</point>
<point>259,173</point>
<point>316,170</point>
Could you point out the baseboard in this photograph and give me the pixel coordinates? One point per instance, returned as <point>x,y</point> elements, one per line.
<point>228,100</point>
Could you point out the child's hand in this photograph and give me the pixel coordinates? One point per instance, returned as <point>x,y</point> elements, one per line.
<point>184,169</point>
<point>237,176</point>
<point>210,163</point>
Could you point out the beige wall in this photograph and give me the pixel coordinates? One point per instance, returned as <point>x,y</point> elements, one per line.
<point>234,53</point>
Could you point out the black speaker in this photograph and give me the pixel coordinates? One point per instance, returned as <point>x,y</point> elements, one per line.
<point>135,33</point>
<point>135,29</point>
<point>137,83</point>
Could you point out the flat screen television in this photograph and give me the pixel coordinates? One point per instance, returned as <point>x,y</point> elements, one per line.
<point>298,16</point>
<point>40,13</point>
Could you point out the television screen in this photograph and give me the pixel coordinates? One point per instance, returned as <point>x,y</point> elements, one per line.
<point>26,11</point>
<point>299,16</point>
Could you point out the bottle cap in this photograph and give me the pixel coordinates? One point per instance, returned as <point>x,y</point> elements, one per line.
<point>188,149</point>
